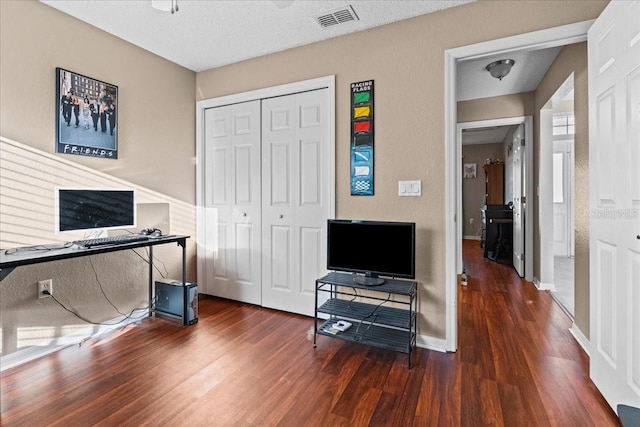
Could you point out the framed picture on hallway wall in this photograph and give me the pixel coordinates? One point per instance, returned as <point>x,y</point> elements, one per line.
<point>470,170</point>
<point>86,116</point>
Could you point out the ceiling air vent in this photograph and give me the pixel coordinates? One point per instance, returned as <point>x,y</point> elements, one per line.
<point>339,16</point>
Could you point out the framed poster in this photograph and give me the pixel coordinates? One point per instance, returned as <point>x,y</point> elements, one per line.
<point>469,170</point>
<point>86,116</point>
<point>362,138</point>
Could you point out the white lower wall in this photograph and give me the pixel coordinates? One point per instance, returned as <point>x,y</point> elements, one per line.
<point>89,285</point>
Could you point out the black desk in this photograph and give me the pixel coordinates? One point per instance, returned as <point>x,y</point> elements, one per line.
<point>26,257</point>
<point>501,240</point>
<point>498,220</point>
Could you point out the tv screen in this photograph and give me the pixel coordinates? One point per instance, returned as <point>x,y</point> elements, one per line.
<point>372,248</point>
<point>94,209</point>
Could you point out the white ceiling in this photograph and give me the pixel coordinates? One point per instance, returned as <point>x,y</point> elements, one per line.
<point>474,81</point>
<point>488,135</point>
<point>206,34</point>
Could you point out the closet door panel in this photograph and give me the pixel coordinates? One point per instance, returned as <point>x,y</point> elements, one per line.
<point>279,178</point>
<point>310,185</point>
<point>311,244</point>
<point>220,269</point>
<point>219,176</point>
<point>313,192</point>
<point>280,261</point>
<point>243,171</point>
<point>233,199</point>
<point>243,257</point>
<point>295,144</point>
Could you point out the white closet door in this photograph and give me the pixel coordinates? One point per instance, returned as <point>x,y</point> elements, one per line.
<point>295,150</point>
<point>232,202</point>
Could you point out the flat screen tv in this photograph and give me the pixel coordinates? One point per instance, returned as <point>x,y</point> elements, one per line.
<point>372,249</point>
<point>94,209</point>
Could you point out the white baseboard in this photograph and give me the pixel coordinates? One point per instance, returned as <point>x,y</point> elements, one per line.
<point>431,343</point>
<point>543,286</point>
<point>579,336</point>
<point>470,237</point>
<point>28,354</point>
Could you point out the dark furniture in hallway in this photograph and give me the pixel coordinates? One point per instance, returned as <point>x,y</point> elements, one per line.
<point>494,183</point>
<point>498,236</point>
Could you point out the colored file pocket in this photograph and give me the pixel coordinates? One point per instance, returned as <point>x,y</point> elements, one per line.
<point>361,157</point>
<point>361,97</point>
<point>361,112</point>
<point>362,140</point>
<point>362,127</point>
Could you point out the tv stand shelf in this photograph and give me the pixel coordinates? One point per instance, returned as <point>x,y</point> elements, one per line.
<point>373,321</point>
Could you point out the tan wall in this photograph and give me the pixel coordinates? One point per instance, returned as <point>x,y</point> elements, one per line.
<point>156,112</point>
<point>474,190</point>
<point>156,151</point>
<point>406,60</point>
<point>516,105</point>
<point>571,59</point>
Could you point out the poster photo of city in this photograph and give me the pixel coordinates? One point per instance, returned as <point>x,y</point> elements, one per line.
<point>86,116</point>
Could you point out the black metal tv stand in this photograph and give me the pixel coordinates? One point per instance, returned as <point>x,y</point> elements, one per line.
<point>386,322</point>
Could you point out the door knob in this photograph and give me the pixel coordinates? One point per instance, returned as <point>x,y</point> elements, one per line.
<point>281,216</point>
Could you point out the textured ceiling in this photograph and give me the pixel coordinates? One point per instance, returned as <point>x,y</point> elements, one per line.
<point>488,135</point>
<point>474,81</point>
<point>209,34</point>
<point>206,34</point>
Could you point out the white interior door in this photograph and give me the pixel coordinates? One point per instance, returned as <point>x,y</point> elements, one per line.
<point>295,198</point>
<point>563,198</point>
<point>518,211</point>
<point>614,202</point>
<point>232,202</point>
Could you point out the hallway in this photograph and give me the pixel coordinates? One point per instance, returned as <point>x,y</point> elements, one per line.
<point>514,341</point>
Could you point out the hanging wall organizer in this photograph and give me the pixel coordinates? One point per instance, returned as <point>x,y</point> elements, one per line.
<point>362,138</point>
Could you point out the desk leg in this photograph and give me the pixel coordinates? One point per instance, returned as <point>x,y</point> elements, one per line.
<point>185,291</point>
<point>150,281</point>
<point>184,261</point>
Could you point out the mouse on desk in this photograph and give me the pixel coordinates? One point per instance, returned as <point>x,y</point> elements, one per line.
<point>151,232</point>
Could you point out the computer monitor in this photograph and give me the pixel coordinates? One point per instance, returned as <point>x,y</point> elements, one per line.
<point>90,209</point>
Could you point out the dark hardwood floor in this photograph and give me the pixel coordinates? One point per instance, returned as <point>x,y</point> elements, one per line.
<point>242,365</point>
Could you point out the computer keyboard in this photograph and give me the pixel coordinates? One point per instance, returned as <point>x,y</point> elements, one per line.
<point>111,240</point>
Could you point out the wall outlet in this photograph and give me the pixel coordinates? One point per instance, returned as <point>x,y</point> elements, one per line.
<point>45,285</point>
<point>470,220</point>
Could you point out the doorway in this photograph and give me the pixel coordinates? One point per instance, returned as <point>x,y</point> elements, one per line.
<point>557,196</point>
<point>506,141</point>
<point>553,37</point>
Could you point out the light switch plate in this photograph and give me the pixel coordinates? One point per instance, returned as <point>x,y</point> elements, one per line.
<point>409,188</point>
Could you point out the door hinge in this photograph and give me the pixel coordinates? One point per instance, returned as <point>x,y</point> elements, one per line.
<point>523,199</point>
<point>522,142</point>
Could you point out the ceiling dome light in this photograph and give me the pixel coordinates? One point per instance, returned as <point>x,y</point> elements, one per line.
<point>501,68</point>
<point>165,5</point>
